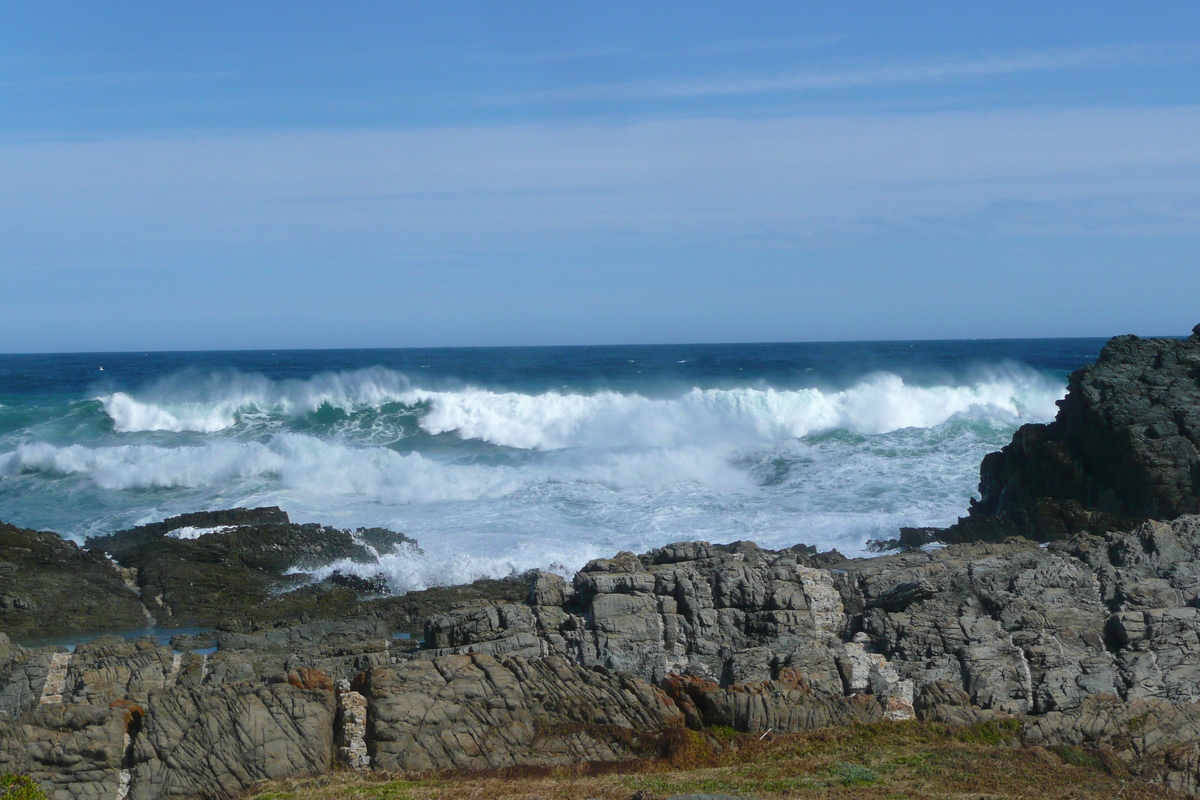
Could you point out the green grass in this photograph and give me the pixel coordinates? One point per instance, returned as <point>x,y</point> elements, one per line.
<point>1078,756</point>
<point>854,774</point>
<point>20,787</point>
<point>993,733</point>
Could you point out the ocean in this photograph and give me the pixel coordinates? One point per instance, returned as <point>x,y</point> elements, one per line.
<point>503,459</point>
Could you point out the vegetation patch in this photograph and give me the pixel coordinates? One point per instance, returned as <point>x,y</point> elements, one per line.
<point>993,733</point>
<point>20,787</point>
<point>909,760</point>
<point>854,774</point>
<point>1079,757</point>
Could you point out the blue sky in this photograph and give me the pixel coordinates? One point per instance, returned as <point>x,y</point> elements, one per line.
<point>246,175</point>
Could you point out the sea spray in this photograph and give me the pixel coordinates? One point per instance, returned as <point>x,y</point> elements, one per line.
<point>879,403</point>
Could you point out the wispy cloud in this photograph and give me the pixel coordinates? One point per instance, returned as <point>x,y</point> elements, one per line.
<point>962,68</point>
<point>358,195</point>
<point>113,78</point>
<point>761,44</point>
<point>625,52</point>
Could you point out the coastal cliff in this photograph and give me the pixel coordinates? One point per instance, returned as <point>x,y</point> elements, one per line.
<point>1086,640</point>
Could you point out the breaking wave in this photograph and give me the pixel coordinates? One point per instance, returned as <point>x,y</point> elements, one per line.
<point>220,399</point>
<point>881,404</point>
<point>877,404</point>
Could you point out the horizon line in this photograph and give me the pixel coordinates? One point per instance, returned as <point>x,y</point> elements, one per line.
<point>578,346</point>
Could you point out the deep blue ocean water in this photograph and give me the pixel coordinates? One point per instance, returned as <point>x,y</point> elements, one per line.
<point>502,459</point>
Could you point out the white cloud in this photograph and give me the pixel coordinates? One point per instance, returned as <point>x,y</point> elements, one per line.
<point>359,195</point>
<point>964,68</point>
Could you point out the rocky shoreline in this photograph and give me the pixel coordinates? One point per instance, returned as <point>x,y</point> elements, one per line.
<point>1067,601</point>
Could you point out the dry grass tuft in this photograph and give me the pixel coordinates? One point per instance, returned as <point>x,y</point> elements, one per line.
<point>883,761</point>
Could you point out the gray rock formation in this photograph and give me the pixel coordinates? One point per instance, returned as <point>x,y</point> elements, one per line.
<point>760,639</point>
<point>479,711</point>
<point>215,741</point>
<point>1089,641</point>
<point>724,612</point>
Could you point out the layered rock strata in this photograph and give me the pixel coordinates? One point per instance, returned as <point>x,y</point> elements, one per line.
<point>750,638</point>
<point>1090,641</point>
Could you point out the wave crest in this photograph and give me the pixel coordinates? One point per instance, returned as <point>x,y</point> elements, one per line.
<point>551,420</point>
<point>880,404</point>
<point>218,400</point>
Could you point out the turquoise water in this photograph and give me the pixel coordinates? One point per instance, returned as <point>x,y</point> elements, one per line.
<point>502,459</point>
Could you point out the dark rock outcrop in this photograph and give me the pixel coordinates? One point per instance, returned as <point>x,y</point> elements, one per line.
<point>245,558</point>
<point>1124,447</point>
<point>246,570</point>
<point>49,585</point>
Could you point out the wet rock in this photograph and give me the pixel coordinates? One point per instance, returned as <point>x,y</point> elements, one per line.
<point>210,568</point>
<point>50,586</point>
<point>376,584</point>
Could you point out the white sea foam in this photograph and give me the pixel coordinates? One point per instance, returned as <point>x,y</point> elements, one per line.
<point>878,404</point>
<point>130,415</point>
<point>318,467</point>
<point>192,532</point>
<point>413,570</point>
<point>550,478</point>
<point>142,466</point>
<point>537,508</point>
